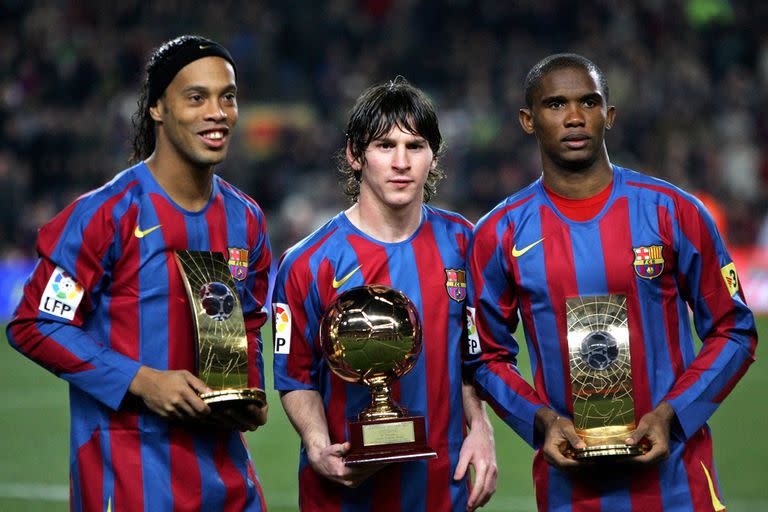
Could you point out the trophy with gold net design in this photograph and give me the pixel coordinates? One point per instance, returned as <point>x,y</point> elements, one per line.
<point>601,376</point>
<point>222,346</point>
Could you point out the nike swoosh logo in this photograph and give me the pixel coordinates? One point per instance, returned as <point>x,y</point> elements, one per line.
<point>524,250</point>
<point>203,47</point>
<point>716,503</point>
<point>344,279</point>
<point>141,234</point>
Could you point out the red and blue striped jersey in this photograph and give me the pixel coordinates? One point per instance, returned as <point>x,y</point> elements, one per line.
<point>429,268</point>
<point>105,297</point>
<point>658,246</point>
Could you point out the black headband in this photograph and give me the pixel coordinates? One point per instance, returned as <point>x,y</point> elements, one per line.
<point>161,75</point>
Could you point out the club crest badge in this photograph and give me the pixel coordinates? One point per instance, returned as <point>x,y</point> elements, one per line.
<point>456,283</point>
<point>238,263</point>
<point>649,261</point>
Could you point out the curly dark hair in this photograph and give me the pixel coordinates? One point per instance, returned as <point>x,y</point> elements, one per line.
<point>376,111</point>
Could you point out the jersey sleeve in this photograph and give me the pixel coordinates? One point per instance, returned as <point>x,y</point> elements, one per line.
<point>255,297</point>
<point>491,352</point>
<point>296,312</point>
<point>75,253</point>
<point>709,284</point>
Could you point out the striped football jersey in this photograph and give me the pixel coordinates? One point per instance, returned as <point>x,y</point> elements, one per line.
<point>659,247</point>
<point>106,297</point>
<point>429,268</point>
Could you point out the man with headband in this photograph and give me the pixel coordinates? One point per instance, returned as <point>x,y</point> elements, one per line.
<point>106,310</point>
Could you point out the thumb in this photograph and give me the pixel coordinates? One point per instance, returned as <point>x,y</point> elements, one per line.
<point>569,432</point>
<point>461,467</point>
<point>637,434</point>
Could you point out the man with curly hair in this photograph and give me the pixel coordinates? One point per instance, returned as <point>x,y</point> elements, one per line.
<point>388,236</point>
<point>106,310</point>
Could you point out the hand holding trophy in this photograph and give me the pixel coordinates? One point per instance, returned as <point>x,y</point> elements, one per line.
<point>372,335</point>
<point>222,346</point>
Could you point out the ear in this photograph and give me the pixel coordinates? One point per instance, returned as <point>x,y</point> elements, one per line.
<point>352,161</point>
<point>610,116</point>
<point>155,110</point>
<point>525,116</point>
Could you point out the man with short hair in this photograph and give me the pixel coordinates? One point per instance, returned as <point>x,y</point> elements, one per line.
<point>589,228</point>
<point>388,237</point>
<point>106,308</point>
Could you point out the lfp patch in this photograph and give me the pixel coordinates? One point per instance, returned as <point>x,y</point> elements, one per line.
<point>62,295</point>
<point>282,315</point>
<point>456,283</point>
<point>472,338</point>
<point>238,263</point>
<point>649,261</point>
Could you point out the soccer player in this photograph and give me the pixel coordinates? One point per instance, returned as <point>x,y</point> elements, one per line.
<point>390,237</point>
<point>106,310</point>
<point>588,227</point>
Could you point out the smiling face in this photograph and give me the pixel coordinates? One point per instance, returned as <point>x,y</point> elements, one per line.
<point>569,116</point>
<point>394,170</point>
<point>196,114</point>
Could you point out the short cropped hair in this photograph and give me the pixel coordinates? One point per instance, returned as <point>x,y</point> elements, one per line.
<point>376,111</point>
<point>561,61</point>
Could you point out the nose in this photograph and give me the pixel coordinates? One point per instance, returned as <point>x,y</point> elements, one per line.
<point>216,112</point>
<point>400,159</point>
<point>574,116</point>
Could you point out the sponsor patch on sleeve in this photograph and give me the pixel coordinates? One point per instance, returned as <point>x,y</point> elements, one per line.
<point>730,278</point>
<point>472,338</point>
<point>282,315</point>
<point>62,295</point>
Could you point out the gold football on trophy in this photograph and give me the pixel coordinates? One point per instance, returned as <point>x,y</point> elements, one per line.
<point>372,335</point>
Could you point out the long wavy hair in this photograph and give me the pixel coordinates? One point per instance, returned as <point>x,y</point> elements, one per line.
<point>376,111</point>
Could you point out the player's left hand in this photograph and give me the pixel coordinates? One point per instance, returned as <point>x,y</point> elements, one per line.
<point>654,427</point>
<point>247,418</point>
<point>479,451</point>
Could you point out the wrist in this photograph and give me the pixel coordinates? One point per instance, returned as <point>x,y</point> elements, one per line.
<point>665,411</point>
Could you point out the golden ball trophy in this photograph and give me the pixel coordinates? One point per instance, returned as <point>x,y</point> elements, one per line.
<point>222,346</point>
<point>372,335</point>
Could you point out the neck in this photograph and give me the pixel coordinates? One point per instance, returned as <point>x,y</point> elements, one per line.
<point>385,224</point>
<point>187,186</point>
<point>578,183</point>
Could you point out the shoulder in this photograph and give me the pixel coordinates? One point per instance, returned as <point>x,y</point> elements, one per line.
<point>516,204</point>
<point>104,204</point>
<point>452,220</point>
<point>231,193</point>
<point>318,240</point>
<point>660,191</point>
<point>91,220</point>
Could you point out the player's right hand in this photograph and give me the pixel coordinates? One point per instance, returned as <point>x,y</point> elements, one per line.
<point>172,394</point>
<point>328,461</point>
<point>559,439</point>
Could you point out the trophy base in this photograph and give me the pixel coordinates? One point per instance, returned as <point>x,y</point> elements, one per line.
<point>384,441</point>
<point>608,451</point>
<point>235,397</point>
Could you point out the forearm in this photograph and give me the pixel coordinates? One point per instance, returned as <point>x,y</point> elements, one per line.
<point>475,412</point>
<point>72,354</point>
<point>306,412</point>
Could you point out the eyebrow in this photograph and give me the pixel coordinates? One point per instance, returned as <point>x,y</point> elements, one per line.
<point>591,96</point>
<point>203,88</point>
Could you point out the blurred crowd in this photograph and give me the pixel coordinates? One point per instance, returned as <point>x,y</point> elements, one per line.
<point>689,80</point>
